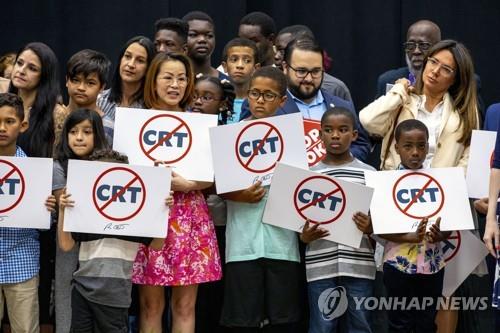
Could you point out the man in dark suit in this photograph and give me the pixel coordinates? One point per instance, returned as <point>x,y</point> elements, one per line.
<point>303,67</point>
<point>420,37</point>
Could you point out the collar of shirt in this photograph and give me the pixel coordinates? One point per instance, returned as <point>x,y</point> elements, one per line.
<point>20,152</point>
<point>313,110</point>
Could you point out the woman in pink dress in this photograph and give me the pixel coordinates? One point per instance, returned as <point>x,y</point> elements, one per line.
<point>189,255</point>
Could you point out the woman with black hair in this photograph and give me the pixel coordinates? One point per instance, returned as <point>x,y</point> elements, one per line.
<point>127,84</point>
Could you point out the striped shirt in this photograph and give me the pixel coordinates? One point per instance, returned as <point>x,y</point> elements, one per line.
<point>326,259</point>
<point>104,275</point>
<point>19,251</point>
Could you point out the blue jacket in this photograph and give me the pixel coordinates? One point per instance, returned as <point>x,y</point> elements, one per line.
<point>359,148</point>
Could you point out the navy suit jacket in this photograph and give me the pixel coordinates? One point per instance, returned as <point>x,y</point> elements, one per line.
<point>359,148</point>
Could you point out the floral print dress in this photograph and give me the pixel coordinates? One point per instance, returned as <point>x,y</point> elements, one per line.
<point>189,255</point>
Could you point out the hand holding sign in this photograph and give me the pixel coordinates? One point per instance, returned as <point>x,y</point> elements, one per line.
<point>50,203</point>
<point>419,235</point>
<point>363,222</point>
<point>310,234</point>
<point>435,234</point>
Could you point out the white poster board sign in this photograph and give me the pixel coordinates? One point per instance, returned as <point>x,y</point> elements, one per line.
<point>482,148</point>
<point>23,192</point>
<point>248,151</point>
<point>117,199</point>
<point>297,195</point>
<point>463,252</point>
<point>402,198</point>
<point>179,139</point>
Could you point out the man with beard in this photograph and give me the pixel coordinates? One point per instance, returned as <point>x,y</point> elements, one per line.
<point>420,37</point>
<point>201,43</point>
<point>330,83</point>
<point>303,67</point>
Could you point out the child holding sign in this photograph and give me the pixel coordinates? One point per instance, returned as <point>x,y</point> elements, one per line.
<point>413,262</point>
<point>102,283</point>
<point>328,264</point>
<point>262,261</point>
<point>82,133</point>
<point>20,247</point>
<point>213,96</point>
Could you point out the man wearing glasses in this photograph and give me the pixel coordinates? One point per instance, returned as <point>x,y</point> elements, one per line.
<point>420,37</point>
<point>303,67</point>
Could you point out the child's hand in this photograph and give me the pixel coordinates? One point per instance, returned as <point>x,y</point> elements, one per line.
<point>363,222</point>
<point>419,234</point>
<point>313,233</point>
<point>169,201</point>
<point>50,203</point>
<point>65,201</point>
<point>435,234</point>
<point>481,205</point>
<point>253,194</point>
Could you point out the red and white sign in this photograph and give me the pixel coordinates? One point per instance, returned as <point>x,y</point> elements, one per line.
<point>117,199</point>
<point>296,195</point>
<point>23,192</point>
<point>479,164</point>
<point>248,151</point>
<point>179,139</point>
<point>314,146</point>
<point>404,197</point>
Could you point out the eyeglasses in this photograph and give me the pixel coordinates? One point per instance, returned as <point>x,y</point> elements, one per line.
<point>411,46</point>
<point>301,73</point>
<point>444,70</point>
<point>267,95</point>
<point>205,98</point>
<point>181,80</point>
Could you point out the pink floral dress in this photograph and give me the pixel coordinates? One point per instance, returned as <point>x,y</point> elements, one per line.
<point>189,255</point>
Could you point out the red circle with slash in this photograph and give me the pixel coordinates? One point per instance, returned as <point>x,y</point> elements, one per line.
<point>431,180</point>
<point>336,188</point>
<point>246,164</point>
<point>148,151</point>
<point>12,170</point>
<point>136,178</point>
<point>455,237</point>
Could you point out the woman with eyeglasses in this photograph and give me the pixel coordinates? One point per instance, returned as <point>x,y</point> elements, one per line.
<point>444,99</point>
<point>189,255</point>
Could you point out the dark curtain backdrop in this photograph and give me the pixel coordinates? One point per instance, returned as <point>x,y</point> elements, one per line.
<point>363,37</point>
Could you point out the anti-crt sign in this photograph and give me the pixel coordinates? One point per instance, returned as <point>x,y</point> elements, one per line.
<point>117,199</point>
<point>480,161</point>
<point>23,192</point>
<point>404,197</point>
<point>297,195</point>
<point>179,139</point>
<point>248,151</point>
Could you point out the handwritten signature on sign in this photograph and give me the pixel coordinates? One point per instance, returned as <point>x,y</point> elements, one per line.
<point>112,226</point>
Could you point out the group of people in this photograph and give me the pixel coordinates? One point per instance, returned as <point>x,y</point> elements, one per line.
<point>225,269</point>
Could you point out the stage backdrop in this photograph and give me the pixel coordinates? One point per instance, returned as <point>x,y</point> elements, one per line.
<point>363,37</point>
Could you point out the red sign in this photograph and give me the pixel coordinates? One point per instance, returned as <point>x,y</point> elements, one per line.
<point>314,146</point>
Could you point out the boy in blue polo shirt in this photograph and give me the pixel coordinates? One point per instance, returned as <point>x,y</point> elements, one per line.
<point>19,247</point>
<point>262,261</point>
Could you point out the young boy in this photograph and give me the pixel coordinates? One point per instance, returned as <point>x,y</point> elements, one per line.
<point>262,261</point>
<point>329,264</point>
<point>413,262</point>
<point>86,76</point>
<point>239,61</point>
<point>102,283</point>
<point>19,247</point>
<point>201,43</point>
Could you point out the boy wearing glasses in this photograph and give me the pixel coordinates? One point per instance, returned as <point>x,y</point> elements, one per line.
<point>262,261</point>
<point>303,67</point>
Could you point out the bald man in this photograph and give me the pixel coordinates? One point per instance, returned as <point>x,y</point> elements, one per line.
<point>420,37</point>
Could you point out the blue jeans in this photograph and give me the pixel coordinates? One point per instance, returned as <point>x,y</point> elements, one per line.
<point>332,299</point>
